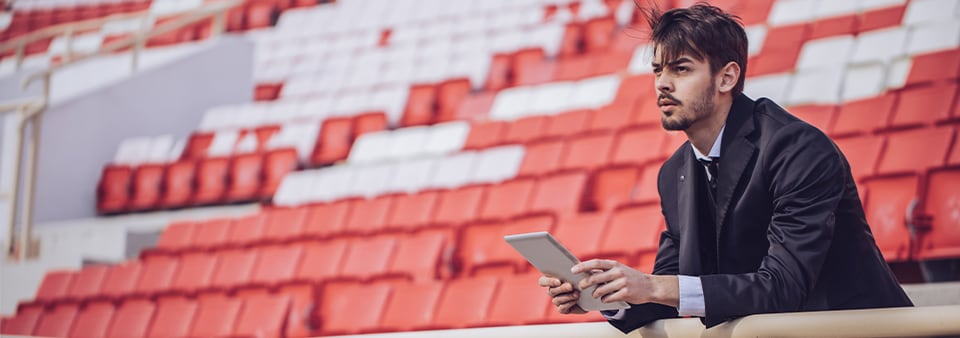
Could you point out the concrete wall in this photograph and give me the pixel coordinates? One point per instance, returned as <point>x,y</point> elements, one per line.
<point>81,134</point>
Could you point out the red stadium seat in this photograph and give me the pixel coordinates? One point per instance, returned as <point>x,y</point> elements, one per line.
<point>943,65</point>
<point>132,319</point>
<point>246,230</point>
<point>613,116</point>
<point>609,187</point>
<point>157,275</point>
<point>147,179</point>
<point>450,96</point>
<point>560,193</point>
<point>598,33</point>
<point>574,67</point>
<point>122,279</point>
<point>93,320</point>
<point>881,18</point>
<point>322,260</point>
<point>178,184</point>
<point>264,134</point>
<point>216,316</point>
<point>57,322</point>
<point>525,129</point>
<point>581,233</point>
<point>339,307</point>
<point>412,305</point>
<point>483,247</point>
<point>572,42</point>
<point>174,317</point>
<point>24,322</point>
<point>411,212</point>
<point>259,15</point>
<point>507,199</point>
<point>633,229</point>
<point>542,158</point>
<point>245,177</point>
<point>421,106</point>
<point>420,257</point>
<point>781,49</point>
<point>369,215</point>
<point>55,286</point>
<point>887,203</point>
<point>588,151</point>
<point>485,134</point>
<point>369,122</point>
<point>327,219</point>
<point>87,282</point>
<point>176,237</point>
<point>212,233</point>
<point>211,180</point>
<point>460,205</point>
<point>284,224</point>
<point>234,268</point>
<point>954,158</point>
<point>276,165</point>
<point>302,303</point>
<point>925,104</point>
<point>568,123</point>
<point>637,146</point>
<point>862,153</point>
<point>864,115</point>
<point>530,67</point>
<point>943,205</point>
<point>498,77</point>
<point>113,191</point>
<point>333,142</point>
<point>263,315</point>
<point>901,153</point>
<point>613,61</point>
<point>476,107</point>
<point>195,273</point>
<point>465,302</point>
<point>519,301</point>
<point>368,257</point>
<point>820,116</point>
<point>277,264</point>
<point>833,26</point>
<point>645,189</point>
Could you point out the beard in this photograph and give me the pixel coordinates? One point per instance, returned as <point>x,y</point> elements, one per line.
<point>702,106</point>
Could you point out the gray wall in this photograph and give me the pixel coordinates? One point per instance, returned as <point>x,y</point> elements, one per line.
<point>80,135</point>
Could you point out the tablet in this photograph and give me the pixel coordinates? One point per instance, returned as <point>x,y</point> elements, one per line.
<point>551,258</point>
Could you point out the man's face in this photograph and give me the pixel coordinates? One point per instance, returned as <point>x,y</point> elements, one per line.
<point>685,90</point>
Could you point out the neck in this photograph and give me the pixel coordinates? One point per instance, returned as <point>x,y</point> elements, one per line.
<point>704,133</point>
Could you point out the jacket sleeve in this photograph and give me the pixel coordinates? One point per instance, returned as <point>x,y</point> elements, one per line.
<point>804,172</point>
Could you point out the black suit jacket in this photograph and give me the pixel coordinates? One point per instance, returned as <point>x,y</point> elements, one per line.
<point>791,231</point>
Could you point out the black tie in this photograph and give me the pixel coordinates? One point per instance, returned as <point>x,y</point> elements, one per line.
<point>712,167</point>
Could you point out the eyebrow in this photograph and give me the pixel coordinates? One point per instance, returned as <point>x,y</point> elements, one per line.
<point>674,62</point>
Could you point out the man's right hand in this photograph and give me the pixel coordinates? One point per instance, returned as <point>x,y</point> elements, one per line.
<point>564,295</point>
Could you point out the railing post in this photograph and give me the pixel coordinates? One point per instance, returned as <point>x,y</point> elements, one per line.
<point>69,37</point>
<point>26,226</point>
<point>15,190</point>
<point>219,23</point>
<point>21,50</point>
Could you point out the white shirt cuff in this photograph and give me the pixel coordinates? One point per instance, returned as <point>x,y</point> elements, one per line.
<point>611,315</point>
<point>691,297</point>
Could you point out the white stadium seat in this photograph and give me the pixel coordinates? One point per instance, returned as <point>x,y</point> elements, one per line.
<point>454,171</point>
<point>498,164</point>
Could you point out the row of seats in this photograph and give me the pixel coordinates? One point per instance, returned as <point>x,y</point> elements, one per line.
<point>254,315</point>
<point>492,165</point>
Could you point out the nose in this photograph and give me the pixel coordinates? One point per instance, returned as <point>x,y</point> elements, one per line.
<point>664,83</point>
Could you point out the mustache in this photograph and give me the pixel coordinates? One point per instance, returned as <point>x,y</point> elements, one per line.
<point>669,97</point>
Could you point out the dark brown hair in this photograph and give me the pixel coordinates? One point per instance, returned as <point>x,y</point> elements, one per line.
<point>702,31</point>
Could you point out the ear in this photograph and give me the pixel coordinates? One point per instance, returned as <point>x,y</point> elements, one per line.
<point>729,75</point>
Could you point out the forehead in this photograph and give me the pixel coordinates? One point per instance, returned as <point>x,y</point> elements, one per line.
<point>664,55</point>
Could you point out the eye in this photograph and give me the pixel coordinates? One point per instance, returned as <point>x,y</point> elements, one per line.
<point>682,69</point>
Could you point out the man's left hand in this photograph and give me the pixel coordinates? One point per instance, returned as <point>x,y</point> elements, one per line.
<point>618,282</point>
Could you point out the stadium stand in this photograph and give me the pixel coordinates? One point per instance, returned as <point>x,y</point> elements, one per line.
<point>390,145</point>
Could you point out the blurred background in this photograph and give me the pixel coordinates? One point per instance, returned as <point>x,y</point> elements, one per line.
<point>254,167</point>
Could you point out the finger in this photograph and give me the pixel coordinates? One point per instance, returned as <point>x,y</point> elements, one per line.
<point>619,295</point>
<point>567,308</point>
<point>600,278</point>
<point>563,288</point>
<point>609,288</point>
<point>549,281</point>
<point>594,264</point>
<point>566,298</point>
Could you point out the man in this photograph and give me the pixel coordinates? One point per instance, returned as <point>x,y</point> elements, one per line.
<point>762,212</point>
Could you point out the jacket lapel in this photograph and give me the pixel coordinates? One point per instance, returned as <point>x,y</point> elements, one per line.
<point>687,206</point>
<point>736,153</point>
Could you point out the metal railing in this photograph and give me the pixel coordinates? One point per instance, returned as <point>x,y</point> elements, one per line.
<point>31,110</point>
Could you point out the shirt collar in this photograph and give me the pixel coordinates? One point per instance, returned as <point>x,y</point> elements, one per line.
<point>714,151</point>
